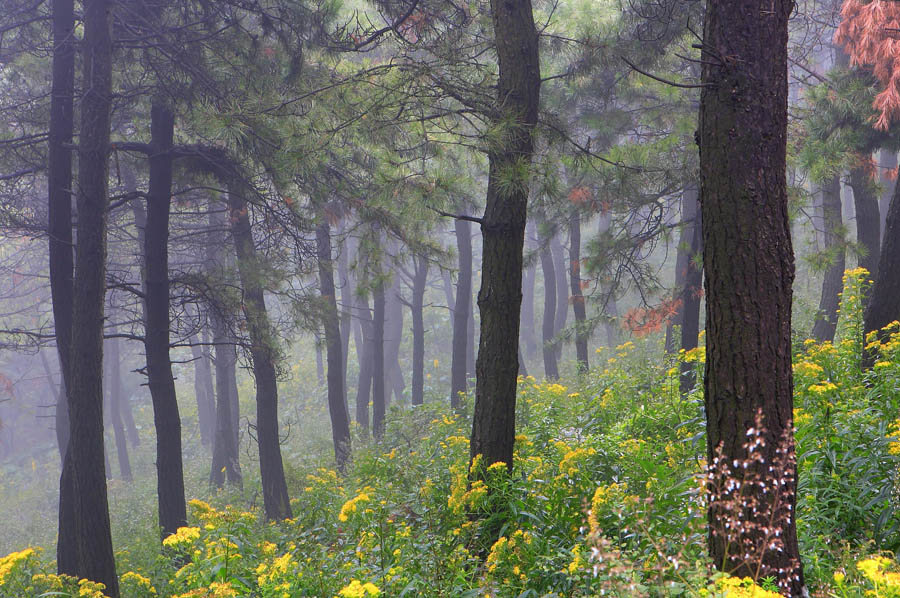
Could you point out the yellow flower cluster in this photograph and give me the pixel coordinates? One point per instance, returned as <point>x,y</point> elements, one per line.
<point>8,563</point>
<point>184,536</point>
<point>570,461</point>
<point>357,589</point>
<point>350,507</point>
<point>137,581</point>
<point>603,495</point>
<point>733,587</point>
<point>822,388</point>
<point>875,569</point>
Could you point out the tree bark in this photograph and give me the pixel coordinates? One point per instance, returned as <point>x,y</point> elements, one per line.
<point>166,419</point>
<point>59,185</point>
<point>393,334</point>
<point>89,540</point>
<point>578,306</point>
<point>888,169</point>
<point>378,381</point>
<point>114,390</point>
<point>337,408</point>
<point>833,241</point>
<point>749,266</point>
<point>461,310</point>
<point>203,391</point>
<point>529,276</point>
<point>263,354</point>
<point>689,208</point>
<point>609,308</point>
<point>884,302</point>
<point>503,232</point>
<point>562,293</point>
<point>868,220</point>
<point>691,293</point>
<point>346,313</point>
<point>365,355</point>
<point>420,278</point>
<point>548,268</point>
<point>226,463</point>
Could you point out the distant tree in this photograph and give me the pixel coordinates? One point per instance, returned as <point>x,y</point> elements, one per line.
<point>748,261</point>
<point>462,308</point>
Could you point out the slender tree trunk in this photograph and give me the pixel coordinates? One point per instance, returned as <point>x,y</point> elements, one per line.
<point>420,279</point>
<point>393,333</point>
<point>226,463</point>
<point>461,310</point>
<point>346,314</point>
<point>114,389</point>
<point>337,407</point>
<point>609,308</point>
<point>888,168</point>
<point>689,208</point>
<point>691,293</point>
<point>551,369</point>
<point>203,390</point>
<point>470,343</point>
<point>832,285</point>
<point>90,538</point>
<point>884,303</point>
<point>262,351</point>
<point>365,355</point>
<point>749,267</point>
<point>59,185</point>
<point>320,363</point>
<point>503,232</point>
<point>378,381</point>
<point>169,469</point>
<point>529,276</point>
<point>578,307</point>
<point>562,293</point>
<point>868,220</point>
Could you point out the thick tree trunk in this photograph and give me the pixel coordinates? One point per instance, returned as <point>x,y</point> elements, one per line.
<point>689,208</point>
<point>378,381</point>
<point>420,278</point>
<point>337,407</point>
<point>868,220</point>
<point>503,232</point>
<point>89,540</point>
<point>461,313</point>
<point>551,369</point>
<point>169,469</point>
<point>884,303</point>
<point>114,390</point>
<point>832,285</point>
<point>749,267</point>
<point>59,186</point>
<point>276,502</point>
<point>365,355</point>
<point>578,306</point>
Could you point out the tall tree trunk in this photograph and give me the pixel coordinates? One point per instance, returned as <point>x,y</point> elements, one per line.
<point>689,208</point>
<point>320,362</point>
<point>59,186</point>
<point>89,540</point>
<point>226,463</point>
<point>365,355</point>
<point>888,169</point>
<point>337,407</point>
<point>169,469</point>
<point>378,381</point>
<point>578,307</point>
<point>203,390</point>
<point>420,279</point>
<point>562,293</point>
<point>503,232</point>
<point>691,293</point>
<point>114,390</point>
<point>461,313</point>
<point>832,285</point>
<point>609,308</point>
<point>551,369</point>
<point>868,220</point>
<point>262,351</point>
<point>346,312</point>
<point>393,333</point>
<point>749,267</point>
<point>529,277</point>
<point>884,303</point>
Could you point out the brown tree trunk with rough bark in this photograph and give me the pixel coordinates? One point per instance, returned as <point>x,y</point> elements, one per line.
<point>503,231</point>
<point>888,168</point>
<point>884,301</point>
<point>337,408</point>
<point>868,220</point>
<point>749,266</point>
<point>166,419</point>
<point>89,540</point>
<point>832,285</point>
<point>276,502</point>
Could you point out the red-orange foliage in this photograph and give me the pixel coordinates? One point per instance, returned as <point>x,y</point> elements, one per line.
<point>641,322</point>
<point>870,34</point>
